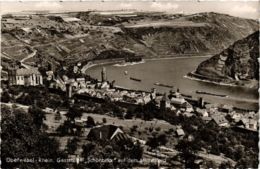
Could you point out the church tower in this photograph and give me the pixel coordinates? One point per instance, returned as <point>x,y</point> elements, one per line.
<point>103,75</point>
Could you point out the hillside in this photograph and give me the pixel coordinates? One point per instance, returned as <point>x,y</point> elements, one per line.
<point>193,34</point>
<point>237,64</point>
<point>68,38</point>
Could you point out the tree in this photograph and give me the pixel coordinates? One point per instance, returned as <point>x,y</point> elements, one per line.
<point>156,140</point>
<point>65,128</point>
<point>72,145</point>
<point>38,116</point>
<point>225,165</point>
<point>90,122</point>
<point>136,152</point>
<point>162,139</point>
<point>133,129</point>
<point>87,149</point>
<point>150,110</point>
<point>5,97</point>
<point>94,151</point>
<point>21,138</point>
<point>187,152</point>
<point>104,120</point>
<point>153,166</point>
<point>73,113</point>
<point>129,113</point>
<point>153,142</point>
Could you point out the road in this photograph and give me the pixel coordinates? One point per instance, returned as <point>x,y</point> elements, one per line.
<point>29,56</point>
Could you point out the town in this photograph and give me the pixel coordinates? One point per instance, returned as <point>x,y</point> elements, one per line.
<point>89,109</point>
<point>68,119</point>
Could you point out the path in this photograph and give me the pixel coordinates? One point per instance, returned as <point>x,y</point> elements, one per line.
<point>29,56</point>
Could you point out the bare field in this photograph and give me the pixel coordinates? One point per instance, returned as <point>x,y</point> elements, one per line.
<point>165,24</point>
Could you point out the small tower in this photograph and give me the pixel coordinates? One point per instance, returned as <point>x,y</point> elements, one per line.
<point>163,103</point>
<point>103,75</point>
<point>112,84</point>
<point>11,73</point>
<point>153,94</point>
<point>12,76</point>
<point>69,91</point>
<point>201,102</point>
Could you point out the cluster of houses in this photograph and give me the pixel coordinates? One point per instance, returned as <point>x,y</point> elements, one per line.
<point>217,114</point>
<point>105,91</point>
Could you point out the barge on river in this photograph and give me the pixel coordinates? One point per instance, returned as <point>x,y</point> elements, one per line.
<point>135,79</point>
<point>163,85</point>
<point>212,94</point>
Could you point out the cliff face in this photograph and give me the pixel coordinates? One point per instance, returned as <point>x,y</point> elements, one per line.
<point>238,62</point>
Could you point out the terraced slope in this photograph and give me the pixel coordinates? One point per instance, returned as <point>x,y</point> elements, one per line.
<point>57,42</point>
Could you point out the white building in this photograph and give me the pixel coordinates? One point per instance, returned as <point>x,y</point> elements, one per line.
<point>27,77</point>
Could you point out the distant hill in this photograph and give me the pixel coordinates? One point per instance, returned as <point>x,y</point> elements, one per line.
<point>59,40</point>
<point>193,34</point>
<point>238,63</point>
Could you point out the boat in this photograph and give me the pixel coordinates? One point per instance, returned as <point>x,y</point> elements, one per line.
<point>212,94</point>
<point>163,85</point>
<point>135,79</point>
<point>125,72</point>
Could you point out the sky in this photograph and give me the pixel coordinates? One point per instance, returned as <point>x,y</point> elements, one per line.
<point>243,8</point>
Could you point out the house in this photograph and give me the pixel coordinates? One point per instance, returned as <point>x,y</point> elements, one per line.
<point>104,85</point>
<point>26,77</point>
<point>248,123</point>
<point>206,119</point>
<point>202,112</point>
<point>188,107</point>
<point>50,75</point>
<point>177,101</point>
<point>181,103</point>
<point>107,133</point>
<point>252,114</point>
<point>180,132</point>
<point>220,120</point>
<point>187,114</point>
<point>212,105</point>
<point>226,108</point>
<point>236,117</point>
<point>199,163</point>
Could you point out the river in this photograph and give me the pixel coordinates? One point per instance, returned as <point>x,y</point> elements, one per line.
<point>172,72</point>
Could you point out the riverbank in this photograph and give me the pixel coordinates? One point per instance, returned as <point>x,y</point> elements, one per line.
<point>177,57</point>
<point>101,62</point>
<point>121,60</point>
<point>194,76</point>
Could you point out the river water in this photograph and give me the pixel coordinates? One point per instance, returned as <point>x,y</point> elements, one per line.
<point>172,72</point>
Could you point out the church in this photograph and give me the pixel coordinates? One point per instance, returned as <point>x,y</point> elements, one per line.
<point>26,77</point>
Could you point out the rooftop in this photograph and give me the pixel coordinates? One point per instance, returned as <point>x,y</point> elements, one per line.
<point>219,119</point>
<point>27,71</point>
<point>103,132</point>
